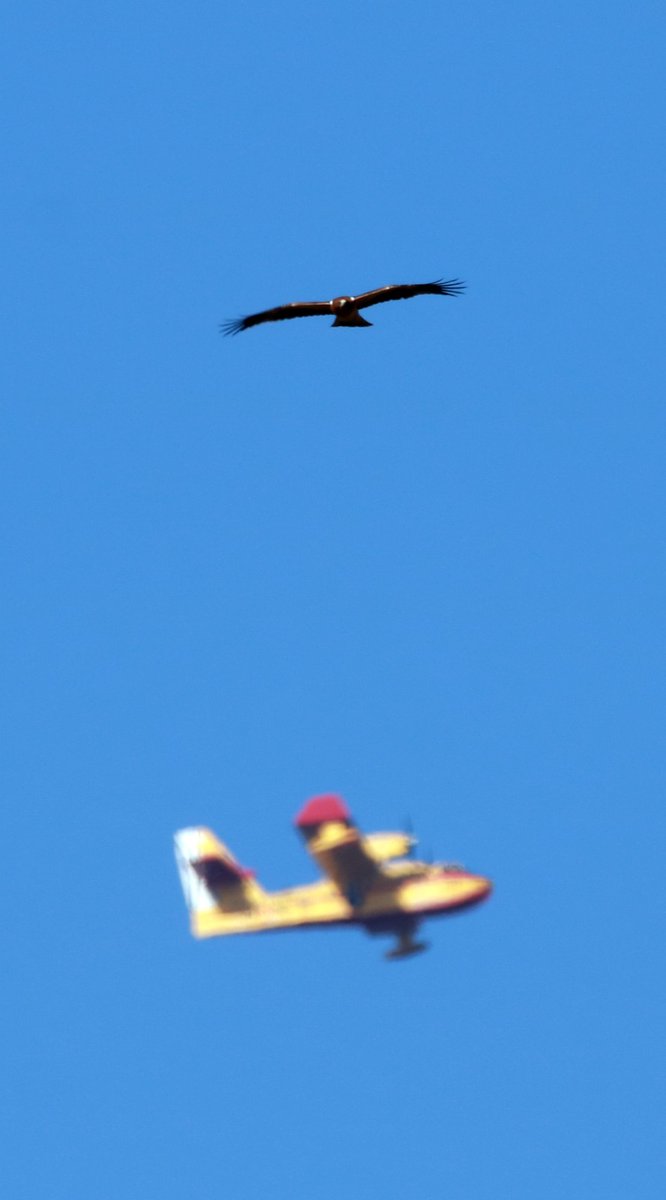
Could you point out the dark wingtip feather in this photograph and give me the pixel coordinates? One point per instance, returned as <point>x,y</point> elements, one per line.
<point>451,287</point>
<point>233,327</point>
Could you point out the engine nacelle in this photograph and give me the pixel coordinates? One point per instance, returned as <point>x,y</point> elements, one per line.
<point>383,846</point>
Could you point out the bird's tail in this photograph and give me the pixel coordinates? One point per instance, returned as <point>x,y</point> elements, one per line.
<point>355,320</point>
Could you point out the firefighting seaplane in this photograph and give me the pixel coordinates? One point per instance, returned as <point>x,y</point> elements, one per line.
<point>370,880</point>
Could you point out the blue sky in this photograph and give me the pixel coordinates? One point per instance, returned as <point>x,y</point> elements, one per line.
<point>420,565</point>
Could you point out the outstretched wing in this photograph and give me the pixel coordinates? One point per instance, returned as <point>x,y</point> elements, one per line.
<point>404,291</point>
<point>338,847</point>
<point>284,312</point>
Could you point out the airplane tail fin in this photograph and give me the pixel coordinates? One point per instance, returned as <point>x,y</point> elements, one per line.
<point>210,876</point>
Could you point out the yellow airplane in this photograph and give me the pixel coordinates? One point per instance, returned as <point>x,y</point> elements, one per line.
<point>369,881</point>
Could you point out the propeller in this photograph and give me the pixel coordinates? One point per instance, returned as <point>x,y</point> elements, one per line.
<point>408,830</point>
<point>427,855</point>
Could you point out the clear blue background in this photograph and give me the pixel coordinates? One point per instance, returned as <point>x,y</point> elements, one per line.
<point>421,565</point>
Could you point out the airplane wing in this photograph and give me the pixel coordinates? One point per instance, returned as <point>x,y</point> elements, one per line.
<point>338,847</point>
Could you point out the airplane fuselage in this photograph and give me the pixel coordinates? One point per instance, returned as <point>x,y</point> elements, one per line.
<point>422,891</point>
<point>368,880</point>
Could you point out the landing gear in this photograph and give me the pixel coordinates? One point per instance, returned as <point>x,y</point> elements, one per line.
<point>404,930</point>
<point>405,947</point>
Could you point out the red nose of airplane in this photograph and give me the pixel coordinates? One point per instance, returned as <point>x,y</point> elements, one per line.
<point>482,888</point>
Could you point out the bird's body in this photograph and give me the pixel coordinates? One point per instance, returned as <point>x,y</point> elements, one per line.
<point>345,309</point>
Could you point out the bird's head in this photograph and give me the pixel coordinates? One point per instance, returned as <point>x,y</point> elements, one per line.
<point>342,305</point>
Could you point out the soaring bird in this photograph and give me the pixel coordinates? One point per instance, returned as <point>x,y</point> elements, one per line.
<point>345,309</point>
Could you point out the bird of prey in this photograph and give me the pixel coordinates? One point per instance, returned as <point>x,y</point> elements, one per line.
<point>345,309</point>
